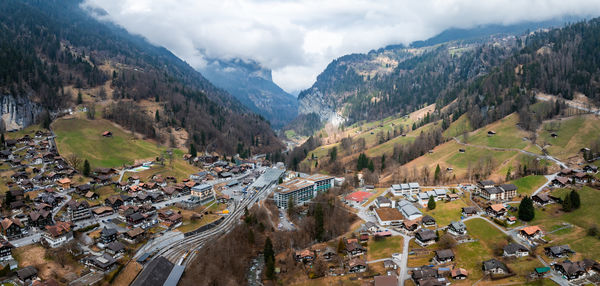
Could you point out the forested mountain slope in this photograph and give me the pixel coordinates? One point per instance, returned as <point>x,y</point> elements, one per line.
<point>48,46</point>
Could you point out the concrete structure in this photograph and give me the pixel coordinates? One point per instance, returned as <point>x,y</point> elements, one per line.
<point>408,210</point>
<point>388,216</point>
<point>301,190</point>
<point>405,189</point>
<point>203,193</point>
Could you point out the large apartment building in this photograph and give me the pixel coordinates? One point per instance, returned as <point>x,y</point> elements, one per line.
<point>301,189</point>
<point>203,193</point>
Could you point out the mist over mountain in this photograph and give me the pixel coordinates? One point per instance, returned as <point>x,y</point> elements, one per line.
<point>253,86</point>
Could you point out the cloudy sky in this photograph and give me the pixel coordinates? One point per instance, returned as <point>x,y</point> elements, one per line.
<point>298,38</point>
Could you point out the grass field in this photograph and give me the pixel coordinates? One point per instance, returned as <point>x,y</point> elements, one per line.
<point>384,248</point>
<point>573,133</point>
<point>84,138</point>
<point>527,185</point>
<point>445,212</point>
<point>458,127</point>
<point>508,135</point>
<point>552,218</point>
<point>471,255</point>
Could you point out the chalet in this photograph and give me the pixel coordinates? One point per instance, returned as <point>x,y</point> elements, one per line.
<point>353,248</point>
<point>582,178</point>
<point>383,202</point>
<point>497,210</point>
<point>40,218</point>
<point>388,216</point>
<point>443,256</point>
<point>410,225</point>
<point>357,265</point>
<point>388,264</point>
<point>103,211</point>
<point>457,228</point>
<point>17,205</point>
<point>590,169</point>
<point>571,270</point>
<point>542,199</point>
<point>469,211</point>
<point>102,262</point>
<point>494,266</point>
<point>5,250</point>
<point>461,150</point>
<point>531,232</point>
<point>305,256</point>
<point>328,253</point>
<point>133,236</point>
<point>79,210</point>
<point>451,197</point>
<point>64,183</point>
<point>511,220</point>
<point>135,219</point>
<point>10,142</point>
<point>170,192</point>
<point>425,237</point>
<point>515,250</point>
<point>424,273</point>
<point>172,220</point>
<point>114,201</point>
<point>560,182</point>
<point>370,226</point>
<point>558,251</point>
<point>491,133</point>
<point>363,237</point>
<point>108,235</point>
<point>82,189</point>
<point>115,248</point>
<point>91,195</point>
<point>428,221</point>
<point>6,155</point>
<point>103,179</point>
<point>58,234</point>
<point>27,274</point>
<point>459,274</point>
<point>12,228</point>
<point>105,171</point>
<point>19,176</point>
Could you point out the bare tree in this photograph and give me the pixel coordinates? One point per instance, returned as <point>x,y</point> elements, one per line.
<point>74,160</point>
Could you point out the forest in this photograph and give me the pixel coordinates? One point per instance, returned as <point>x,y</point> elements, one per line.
<point>49,45</point>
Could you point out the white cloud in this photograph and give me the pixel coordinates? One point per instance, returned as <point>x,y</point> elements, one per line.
<point>298,38</point>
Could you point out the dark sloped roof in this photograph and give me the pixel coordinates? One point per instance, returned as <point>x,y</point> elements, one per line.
<point>156,273</point>
<point>494,264</point>
<point>512,248</point>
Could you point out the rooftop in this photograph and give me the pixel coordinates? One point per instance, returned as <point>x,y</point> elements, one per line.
<point>387,214</point>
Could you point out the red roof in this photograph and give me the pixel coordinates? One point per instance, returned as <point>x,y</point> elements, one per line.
<point>359,196</point>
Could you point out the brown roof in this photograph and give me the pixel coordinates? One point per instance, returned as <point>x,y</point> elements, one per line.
<point>100,210</point>
<point>459,271</point>
<point>386,214</point>
<point>135,232</point>
<point>498,207</point>
<point>531,230</point>
<point>59,228</point>
<point>64,181</point>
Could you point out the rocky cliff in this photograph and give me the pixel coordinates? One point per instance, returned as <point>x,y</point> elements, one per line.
<point>18,112</point>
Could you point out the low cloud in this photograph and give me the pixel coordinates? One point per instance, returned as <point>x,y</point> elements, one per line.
<point>298,38</point>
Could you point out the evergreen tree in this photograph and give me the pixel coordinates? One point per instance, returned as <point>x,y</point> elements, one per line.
<point>280,181</point>
<point>2,141</point>
<point>316,164</point>
<point>86,168</point>
<point>79,98</point>
<point>333,154</point>
<point>157,116</point>
<point>567,204</point>
<point>362,162</point>
<point>269,255</point>
<point>341,246</point>
<point>193,151</point>
<point>437,174</point>
<point>575,200</point>
<point>9,198</point>
<point>382,162</point>
<point>526,210</point>
<point>371,166</point>
<point>319,225</point>
<point>431,203</point>
<point>414,126</point>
